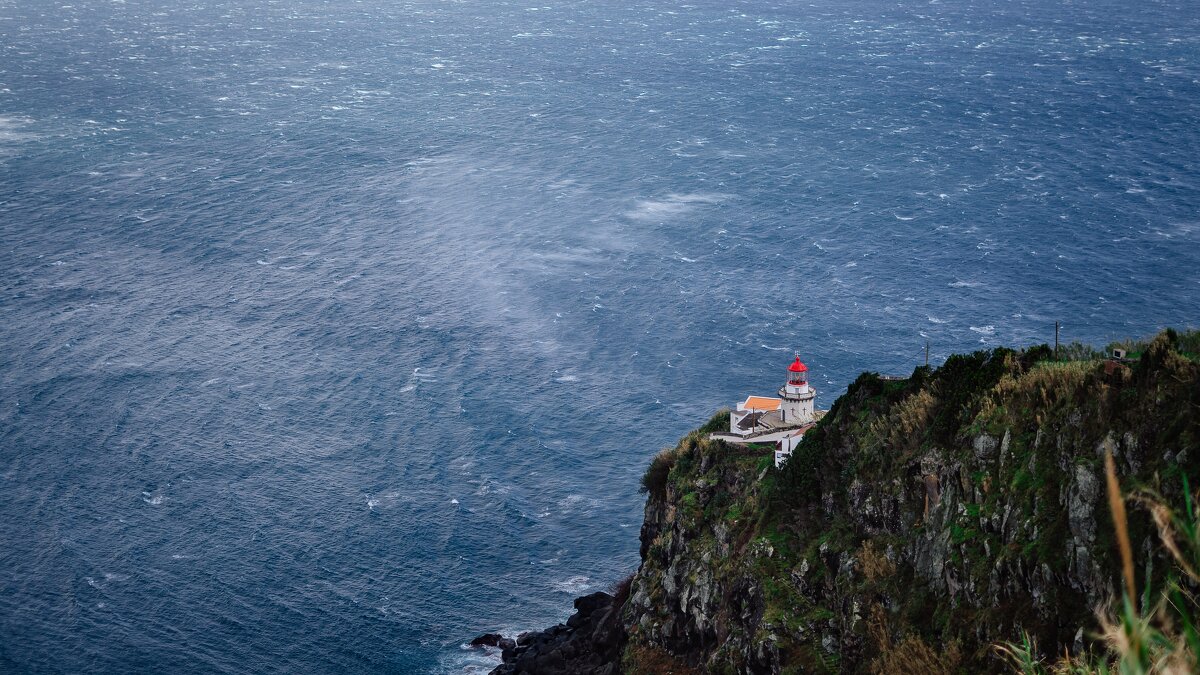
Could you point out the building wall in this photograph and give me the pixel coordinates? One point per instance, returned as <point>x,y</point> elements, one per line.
<point>735,417</point>
<point>799,412</point>
<point>784,448</point>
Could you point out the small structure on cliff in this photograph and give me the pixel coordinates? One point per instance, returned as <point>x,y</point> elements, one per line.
<point>781,420</point>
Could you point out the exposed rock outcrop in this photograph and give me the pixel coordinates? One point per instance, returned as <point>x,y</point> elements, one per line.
<point>919,523</point>
<point>589,643</point>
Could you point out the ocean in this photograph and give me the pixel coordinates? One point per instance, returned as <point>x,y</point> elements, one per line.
<point>333,334</point>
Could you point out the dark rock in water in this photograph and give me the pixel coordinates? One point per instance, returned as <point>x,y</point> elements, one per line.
<point>589,643</point>
<point>981,516</point>
<point>506,645</point>
<point>507,648</point>
<point>487,640</point>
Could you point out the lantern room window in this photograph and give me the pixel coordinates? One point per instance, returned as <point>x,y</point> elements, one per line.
<point>797,372</point>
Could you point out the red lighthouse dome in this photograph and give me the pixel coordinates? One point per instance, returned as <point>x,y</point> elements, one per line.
<point>796,372</point>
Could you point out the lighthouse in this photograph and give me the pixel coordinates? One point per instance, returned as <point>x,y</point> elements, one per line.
<point>798,396</point>
<point>782,421</point>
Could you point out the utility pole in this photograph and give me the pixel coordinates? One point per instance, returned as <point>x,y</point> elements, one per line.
<point>1055,340</point>
<point>927,353</point>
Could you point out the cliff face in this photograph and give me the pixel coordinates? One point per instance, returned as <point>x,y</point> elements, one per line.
<point>920,522</point>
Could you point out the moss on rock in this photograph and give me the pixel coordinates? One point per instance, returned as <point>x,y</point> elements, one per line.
<point>956,507</point>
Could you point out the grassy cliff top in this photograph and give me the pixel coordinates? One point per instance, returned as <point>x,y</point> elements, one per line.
<point>925,518</point>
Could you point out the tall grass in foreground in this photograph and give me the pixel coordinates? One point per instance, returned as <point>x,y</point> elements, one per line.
<point>1156,636</point>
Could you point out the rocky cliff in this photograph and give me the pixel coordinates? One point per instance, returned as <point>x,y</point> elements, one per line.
<point>919,523</point>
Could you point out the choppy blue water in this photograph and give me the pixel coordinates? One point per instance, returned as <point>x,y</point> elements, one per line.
<point>333,334</point>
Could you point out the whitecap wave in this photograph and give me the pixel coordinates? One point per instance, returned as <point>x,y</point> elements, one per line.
<point>573,585</point>
<point>672,205</point>
<point>577,503</point>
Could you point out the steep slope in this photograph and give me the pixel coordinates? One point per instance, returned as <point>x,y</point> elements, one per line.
<point>919,523</point>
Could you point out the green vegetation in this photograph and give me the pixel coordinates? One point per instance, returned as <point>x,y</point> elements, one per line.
<point>654,481</point>
<point>924,519</point>
<point>1157,634</point>
<point>1186,344</point>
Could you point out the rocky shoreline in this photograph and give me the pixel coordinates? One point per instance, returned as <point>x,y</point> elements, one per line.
<point>920,524</point>
<point>589,643</point>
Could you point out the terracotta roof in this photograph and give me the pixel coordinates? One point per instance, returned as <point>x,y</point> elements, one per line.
<point>762,403</point>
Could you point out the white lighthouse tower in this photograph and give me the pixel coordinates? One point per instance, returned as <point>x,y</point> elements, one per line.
<point>782,421</point>
<point>797,395</point>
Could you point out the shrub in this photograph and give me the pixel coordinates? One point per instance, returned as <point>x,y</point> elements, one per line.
<point>914,655</point>
<point>1157,635</point>
<point>620,590</point>
<point>875,565</point>
<point>718,422</point>
<point>647,659</point>
<point>654,481</point>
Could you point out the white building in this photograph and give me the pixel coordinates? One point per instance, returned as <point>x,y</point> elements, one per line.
<point>785,445</point>
<point>798,396</point>
<point>780,420</point>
